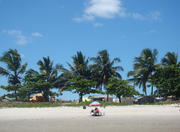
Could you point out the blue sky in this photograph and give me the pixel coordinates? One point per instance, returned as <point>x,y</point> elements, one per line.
<point>60,28</point>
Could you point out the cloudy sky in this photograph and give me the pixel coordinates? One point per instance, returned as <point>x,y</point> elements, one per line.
<point>60,28</point>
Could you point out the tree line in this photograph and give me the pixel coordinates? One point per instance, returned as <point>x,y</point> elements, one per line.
<point>86,75</point>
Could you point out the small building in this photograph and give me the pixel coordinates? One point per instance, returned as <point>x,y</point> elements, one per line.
<point>144,100</point>
<point>128,100</point>
<point>100,98</point>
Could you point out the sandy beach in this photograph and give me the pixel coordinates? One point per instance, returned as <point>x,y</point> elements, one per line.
<point>140,118</point>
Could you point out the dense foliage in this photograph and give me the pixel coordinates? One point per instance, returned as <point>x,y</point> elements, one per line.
<point>120,88</point>
<point>81,85</point>
<point>167,81</point>
<point>85,76</point>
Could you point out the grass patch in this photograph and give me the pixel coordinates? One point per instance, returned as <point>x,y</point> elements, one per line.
<point>164,103</point>
<point>13,104</point>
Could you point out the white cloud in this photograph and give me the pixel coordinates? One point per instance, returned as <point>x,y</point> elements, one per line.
<point>102,9</point>
<point>97,24</point>
<point>37,34</point>
<point>21,39</point>
<point>109,9</point>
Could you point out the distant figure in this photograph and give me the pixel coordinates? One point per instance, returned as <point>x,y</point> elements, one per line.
<point>84,107</point>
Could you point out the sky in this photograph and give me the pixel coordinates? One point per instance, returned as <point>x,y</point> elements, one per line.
<point>60,28</point>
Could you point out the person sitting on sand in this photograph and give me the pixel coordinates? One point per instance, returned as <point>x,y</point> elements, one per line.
<point>96,111</point>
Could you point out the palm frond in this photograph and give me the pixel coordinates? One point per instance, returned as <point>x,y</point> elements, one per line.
<point>170,59</point>
<point>22,69</point>
<point>4,72</point>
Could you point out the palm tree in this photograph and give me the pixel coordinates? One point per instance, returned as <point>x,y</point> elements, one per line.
<point>78,68</point>
<point>170,59</point>
<point>12,60</point>
<point>103,69</point>
<point>80,65</point>
<point>51,75</point>
<point>144,66</point>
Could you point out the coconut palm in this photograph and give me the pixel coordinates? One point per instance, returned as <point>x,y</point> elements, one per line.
<point>50,73</point>
<point>170,59</point>
<point>80,65</point>
<point>144,66</point>
<point>46,68</point>
<point>103,69</point>
<point>14,70</point>
<point>78,68</point>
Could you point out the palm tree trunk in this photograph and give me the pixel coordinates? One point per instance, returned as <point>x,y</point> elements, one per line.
<point>144,89</point>
<point>152,90</point>
<point>46,99</point>
<point>107,94</point>
<point>119,97</point>
<point>81,96</point>
<point>28,97</point>
<point>15,92</point>
<point>107,97</point>
<point>46,95</point>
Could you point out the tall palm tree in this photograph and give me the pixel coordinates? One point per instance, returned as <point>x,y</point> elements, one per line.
<point>12,60</point>
<point>51,75</point>
<point>170,59</point>
<point>144,66</point>
<point>103,69</point>
<point>78,69</point>
<point>80,66</point>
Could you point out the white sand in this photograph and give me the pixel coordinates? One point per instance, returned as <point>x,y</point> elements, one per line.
<point>139,118</point>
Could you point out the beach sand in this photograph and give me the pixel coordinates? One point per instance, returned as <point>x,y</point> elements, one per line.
<point>136,118</point>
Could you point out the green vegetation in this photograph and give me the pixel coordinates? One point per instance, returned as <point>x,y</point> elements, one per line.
<point>144,67</point>
<point>170,59</point>
<point>12,60</point>
<point>167,77</point>
<point>167,81</point>
<point>164,103</point>
<point>81,86</point>
<point>103,69</point>
<point>89,75</point>
<point>120,88</point>
<point>27,104</point>
<point>14,104</point>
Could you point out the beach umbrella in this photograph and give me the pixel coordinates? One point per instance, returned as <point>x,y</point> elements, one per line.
<point>95,103</point>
